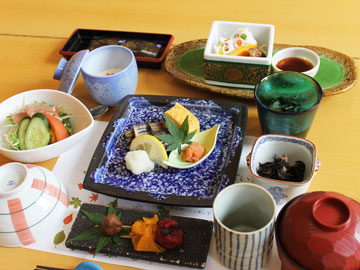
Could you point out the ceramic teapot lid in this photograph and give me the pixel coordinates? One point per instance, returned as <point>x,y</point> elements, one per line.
<point>68,71</point>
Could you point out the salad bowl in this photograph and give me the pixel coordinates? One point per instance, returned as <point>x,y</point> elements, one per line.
<point>80,119</point>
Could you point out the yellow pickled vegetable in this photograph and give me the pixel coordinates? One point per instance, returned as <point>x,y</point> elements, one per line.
<point>243,51</point>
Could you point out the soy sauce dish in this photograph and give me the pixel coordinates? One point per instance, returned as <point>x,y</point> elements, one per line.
<point>296,59</point>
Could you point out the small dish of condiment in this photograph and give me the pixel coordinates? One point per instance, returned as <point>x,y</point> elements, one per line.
<point>296,59</point>
<point>206,138</point>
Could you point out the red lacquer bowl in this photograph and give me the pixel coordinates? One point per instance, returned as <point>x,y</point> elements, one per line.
<point>319,230</point>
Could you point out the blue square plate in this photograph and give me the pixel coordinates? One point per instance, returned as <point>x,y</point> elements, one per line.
<point>197,186</point>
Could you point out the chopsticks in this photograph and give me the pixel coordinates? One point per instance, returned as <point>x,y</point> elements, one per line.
<point>42,267</point>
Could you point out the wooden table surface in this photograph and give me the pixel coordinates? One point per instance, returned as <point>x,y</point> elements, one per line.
<point>32,32</point>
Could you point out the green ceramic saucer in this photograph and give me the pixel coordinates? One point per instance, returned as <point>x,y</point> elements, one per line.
<point>337,72</point>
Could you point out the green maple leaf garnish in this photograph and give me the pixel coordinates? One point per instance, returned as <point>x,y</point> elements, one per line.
<point>96,233</point>
<point>177,136</point>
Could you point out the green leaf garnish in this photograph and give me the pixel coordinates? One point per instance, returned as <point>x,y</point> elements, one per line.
<point>125,231</point>
<point>177,136</point>
<point>114,203</point>
<point>116,238</point>
<point>95,218</point>
<point>172,127</point>
<point>92,233</point>
<point>95,231</point>
<point>102,242</point>
<point>111,209</point>
<point>243,36</point>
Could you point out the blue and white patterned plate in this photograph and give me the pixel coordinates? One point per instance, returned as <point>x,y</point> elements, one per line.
<point>195,186</point>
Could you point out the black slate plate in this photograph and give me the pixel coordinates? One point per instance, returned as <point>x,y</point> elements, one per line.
<point>193,253</point>
<point>100,176</point>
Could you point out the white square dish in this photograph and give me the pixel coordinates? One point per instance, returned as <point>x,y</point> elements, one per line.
<point>237,71</point>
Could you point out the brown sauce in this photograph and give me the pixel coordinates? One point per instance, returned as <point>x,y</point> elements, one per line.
<point>294,64</point>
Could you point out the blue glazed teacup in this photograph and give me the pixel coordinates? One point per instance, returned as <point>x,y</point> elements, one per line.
<point>110,73</point>
<point>244,217</point>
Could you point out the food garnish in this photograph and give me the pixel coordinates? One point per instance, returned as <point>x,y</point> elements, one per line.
<point>169,234</point>
<point>144,233</point>
<point>241,43</point>
<point>104,228</point>
<point>138,161</point>
<point>152,146</point>
<point>37,125</point>
<point>180,127</point>
<point>177,136</point>
<point>280,169</point>
<point>193,153</point>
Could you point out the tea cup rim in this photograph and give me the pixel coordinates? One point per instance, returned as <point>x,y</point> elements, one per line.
<point>235,185</point>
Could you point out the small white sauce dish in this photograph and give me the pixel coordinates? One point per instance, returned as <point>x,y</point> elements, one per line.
<point>297,52</point>
<point>264,150</point>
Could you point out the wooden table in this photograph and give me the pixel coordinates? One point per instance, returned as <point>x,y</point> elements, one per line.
<point>32,32</point>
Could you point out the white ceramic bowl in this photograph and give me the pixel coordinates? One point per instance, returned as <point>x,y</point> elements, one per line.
<point>81,122</point>
<point>264,150</point>
<point>237,71</point>
<point>33,204</point>
<point>298,52</point>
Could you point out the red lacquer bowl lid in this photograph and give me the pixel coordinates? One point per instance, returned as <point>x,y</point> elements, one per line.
<point>321,230</point>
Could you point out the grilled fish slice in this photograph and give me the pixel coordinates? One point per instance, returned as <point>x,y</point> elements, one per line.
<point>129,135</point>
<point>157,128</point>
<point>154,129</point>
<point>140,129</point>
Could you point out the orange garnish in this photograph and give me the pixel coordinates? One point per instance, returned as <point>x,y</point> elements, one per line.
<point>143,235</point>
<point>138,227</point>
<point>153,220</point>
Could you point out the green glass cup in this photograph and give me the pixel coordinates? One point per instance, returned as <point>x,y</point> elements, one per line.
<point>287,102</point>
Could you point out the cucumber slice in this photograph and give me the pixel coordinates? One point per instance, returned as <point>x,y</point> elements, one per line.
<point>22,130</point>
<point>38,132</point>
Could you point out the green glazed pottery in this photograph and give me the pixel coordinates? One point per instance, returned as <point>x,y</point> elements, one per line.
<point>287,102</point>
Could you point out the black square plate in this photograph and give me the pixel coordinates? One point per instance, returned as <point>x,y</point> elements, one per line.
<point>149,48</point>
<point>196,186</point>
<point>192,253</point>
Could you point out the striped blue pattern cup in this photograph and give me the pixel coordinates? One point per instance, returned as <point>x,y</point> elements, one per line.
<point>244,217</point>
